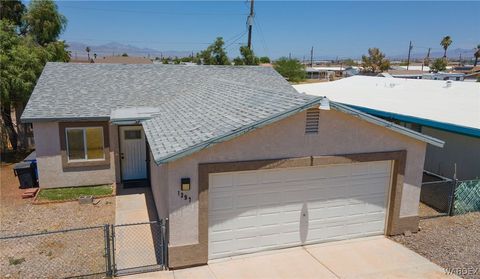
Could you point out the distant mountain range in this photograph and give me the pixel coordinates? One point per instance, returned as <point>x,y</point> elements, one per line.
<point>78,50</point>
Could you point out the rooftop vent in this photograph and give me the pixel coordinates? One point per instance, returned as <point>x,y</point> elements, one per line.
<point>312,121</point>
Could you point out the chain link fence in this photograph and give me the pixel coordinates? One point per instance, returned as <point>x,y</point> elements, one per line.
<point>450,196</point>
<point>89,252</point>
<point>57,254</point>
<point>467,196</point>
<point>437,192</point>
<point>139,247</point>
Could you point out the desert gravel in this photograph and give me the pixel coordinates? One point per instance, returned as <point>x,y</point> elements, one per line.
<point>452,242</point>
<point>53,255</point>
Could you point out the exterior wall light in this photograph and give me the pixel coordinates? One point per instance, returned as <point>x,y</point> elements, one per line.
<point>185,184</point>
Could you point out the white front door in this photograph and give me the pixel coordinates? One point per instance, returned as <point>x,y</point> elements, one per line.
<point>133,153</point>
<point>250,211</point>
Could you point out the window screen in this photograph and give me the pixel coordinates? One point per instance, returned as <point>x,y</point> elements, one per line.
<point>75,144</point>
<point>133,134</point>
<point>85,143</point>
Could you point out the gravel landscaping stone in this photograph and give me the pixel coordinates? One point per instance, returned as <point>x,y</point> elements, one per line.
<point>453,242</point>
<point>51,255</point>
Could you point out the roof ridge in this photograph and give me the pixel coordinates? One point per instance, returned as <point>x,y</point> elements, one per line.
<point>265,89</point>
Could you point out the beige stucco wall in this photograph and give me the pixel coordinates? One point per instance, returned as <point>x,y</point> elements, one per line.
<point>158,180</point>
<point>339,134</point>
<point>49,160</point>
<point>459,149</point>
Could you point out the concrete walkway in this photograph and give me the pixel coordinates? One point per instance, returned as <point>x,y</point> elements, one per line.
<point>134,244</point>
<point>372,257</point>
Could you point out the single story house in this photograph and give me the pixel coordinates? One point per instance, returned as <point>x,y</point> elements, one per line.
<point>236,158</point>
<point>446,110</point>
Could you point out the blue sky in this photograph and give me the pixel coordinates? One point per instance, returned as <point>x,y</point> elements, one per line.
<point>343,29</point>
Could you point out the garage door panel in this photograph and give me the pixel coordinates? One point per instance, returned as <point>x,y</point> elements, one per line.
<point>222,203</point>
<point>247,178</point>
<point>219,181</point>
<point>270,209</point>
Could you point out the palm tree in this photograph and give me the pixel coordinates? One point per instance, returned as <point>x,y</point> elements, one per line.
<point>445,43</point>
<point>87,49</point>
<point>476,54</point>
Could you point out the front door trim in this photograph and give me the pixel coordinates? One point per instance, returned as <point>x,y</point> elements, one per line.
<point>197,254</point>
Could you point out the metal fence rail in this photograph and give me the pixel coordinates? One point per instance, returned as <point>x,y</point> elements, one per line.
<point>68,253</point>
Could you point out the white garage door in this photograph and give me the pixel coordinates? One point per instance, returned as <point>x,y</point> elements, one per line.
<point>251,211</point>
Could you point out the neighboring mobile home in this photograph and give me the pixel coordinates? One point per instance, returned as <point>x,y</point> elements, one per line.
<point>447,110</point>
<point>262,166</point>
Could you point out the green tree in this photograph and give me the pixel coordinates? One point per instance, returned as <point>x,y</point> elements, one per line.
<point>124,54</point>
<point>44,22</point>
<point>215,54</point>
<point>237,61</point>
<point>291,69</point>
<point>349,62</point>
<point>87,49</point>
<point>445,43</point>
<point>248,56</point>
<point>375,61</point>
<point>476,54</point>
<point>438,65</point>
<point>23,54</point>
<point>12,10</point>
<point>264,60</point>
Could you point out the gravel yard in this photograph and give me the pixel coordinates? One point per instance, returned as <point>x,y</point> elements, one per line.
<point>451,242</point>
<point>49,256</point>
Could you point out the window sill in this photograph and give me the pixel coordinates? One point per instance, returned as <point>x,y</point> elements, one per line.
<point>73,165</point>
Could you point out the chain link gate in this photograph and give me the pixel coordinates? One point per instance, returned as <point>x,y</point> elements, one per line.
<point>138,247</point>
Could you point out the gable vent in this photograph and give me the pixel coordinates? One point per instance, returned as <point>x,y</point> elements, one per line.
<point>313,118</point>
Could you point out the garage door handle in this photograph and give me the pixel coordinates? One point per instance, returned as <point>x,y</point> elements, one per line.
<point>122,156</point>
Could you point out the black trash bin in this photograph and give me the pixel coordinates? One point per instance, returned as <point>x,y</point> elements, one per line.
<point>26,174</point>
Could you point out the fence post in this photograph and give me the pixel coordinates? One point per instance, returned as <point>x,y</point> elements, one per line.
<point>165,242</point>
<point>108,262</point>
<point>451,204</point>
<point>113,265</point>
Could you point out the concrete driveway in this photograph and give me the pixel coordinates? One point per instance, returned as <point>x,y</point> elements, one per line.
<point>372,257</point>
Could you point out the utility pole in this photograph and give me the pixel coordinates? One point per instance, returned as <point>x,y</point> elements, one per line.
<point>427,59</point>
<point>311,57</point>
<point>409,50</point>
<point>289,55</point>
<point>250,25</point>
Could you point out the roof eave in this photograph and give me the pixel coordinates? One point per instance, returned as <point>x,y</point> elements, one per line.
<point>63,119</point>
<point>459,129</point>
<point>238,132</point>
<point>387,124</point>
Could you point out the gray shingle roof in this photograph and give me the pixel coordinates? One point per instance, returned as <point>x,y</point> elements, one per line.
<point>199,105</point>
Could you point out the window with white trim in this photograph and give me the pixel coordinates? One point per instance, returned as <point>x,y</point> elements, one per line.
<point>85,143</point>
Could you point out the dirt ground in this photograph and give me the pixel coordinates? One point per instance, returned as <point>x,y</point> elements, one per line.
<point>453,242</point>
<point>78,252</point>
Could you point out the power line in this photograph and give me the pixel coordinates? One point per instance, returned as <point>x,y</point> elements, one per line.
<point>245,32</point>
<point>152,12</point>
<point>265,48</point>
<point>135,41</point>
